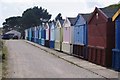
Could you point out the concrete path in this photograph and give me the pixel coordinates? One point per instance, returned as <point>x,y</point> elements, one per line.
<point>96,69</point>
<point>28,61</point>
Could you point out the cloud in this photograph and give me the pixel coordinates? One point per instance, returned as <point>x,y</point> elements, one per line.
<point>9,8</point>
<point>16,1</point>
<point>93,4</point>
<point>51,1</point>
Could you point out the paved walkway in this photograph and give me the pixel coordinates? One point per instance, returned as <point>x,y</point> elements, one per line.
<point>93,68</point>
<point>28,61</point>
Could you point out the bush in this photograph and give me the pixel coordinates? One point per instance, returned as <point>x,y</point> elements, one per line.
<point>1,45</point>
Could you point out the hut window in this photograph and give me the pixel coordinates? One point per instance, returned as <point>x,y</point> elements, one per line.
<point>96,15</point>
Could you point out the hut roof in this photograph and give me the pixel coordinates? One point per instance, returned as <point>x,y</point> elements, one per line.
<point>86,16</point>
<point>109,11</point>
<point>62,21</point>
<point>72,20</point>
<point>13,32</point>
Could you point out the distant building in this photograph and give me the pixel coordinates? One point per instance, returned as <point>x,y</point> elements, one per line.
<point>15,33</point>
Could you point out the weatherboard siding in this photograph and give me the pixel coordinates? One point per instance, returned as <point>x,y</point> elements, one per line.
<point>52,32</point>
<point>117,22</point>
<point>47,31</point>
<point>66,34</point>
<point>39,32</point>
<point>80,30</point>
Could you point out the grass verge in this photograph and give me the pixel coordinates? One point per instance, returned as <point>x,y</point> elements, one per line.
<point>1,47</point>
<point>4,59</point>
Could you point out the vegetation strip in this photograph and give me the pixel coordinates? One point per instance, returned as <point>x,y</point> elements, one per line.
<point>1,44</point>
<point>4,61</point>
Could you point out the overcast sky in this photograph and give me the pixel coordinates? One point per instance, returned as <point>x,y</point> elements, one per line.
<point>68,8</point>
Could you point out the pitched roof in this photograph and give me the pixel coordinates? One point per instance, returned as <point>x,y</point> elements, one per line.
<point>109,11</point>
<point>49,23</point>
<point>62,21</point>
<point>86,16</point>
<point>53,22</point>
<point>72,20</point>
<point>116,15</point>
<point>13,32</point>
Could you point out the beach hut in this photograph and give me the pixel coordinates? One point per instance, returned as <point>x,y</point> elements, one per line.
<point>39,34</point>
<point>26,34</point>
<point>59,35</point>
<point>80,36</point>
<point>52,34</point>
<point>101,36</point>
<point>30,34</point>
<point>43,34</point>
<point>33,29</point>
<point>35,34</point>
<point>116,50</point>
<point>67,46</point>
<point>47,29</point>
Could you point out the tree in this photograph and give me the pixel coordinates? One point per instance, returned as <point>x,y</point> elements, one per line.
<point>35,16</point>
<point>115,5</point>
<point>12,23</point>
<point>30,18</point>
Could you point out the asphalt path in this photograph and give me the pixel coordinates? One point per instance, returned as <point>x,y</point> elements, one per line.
<point>28,61</point>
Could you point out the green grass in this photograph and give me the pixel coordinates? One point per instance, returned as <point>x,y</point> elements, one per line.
<point>1,47</point>
<point>114,5</point>
<point>3,58</point>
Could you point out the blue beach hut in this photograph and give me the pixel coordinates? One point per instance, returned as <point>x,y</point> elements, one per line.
<point>43,35</point>
<point>39,34</point>
<point>116,51</point>
<point>80,36</point>
<point>33,34</point>
<point>52,34</point>
<point>30,34</point>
